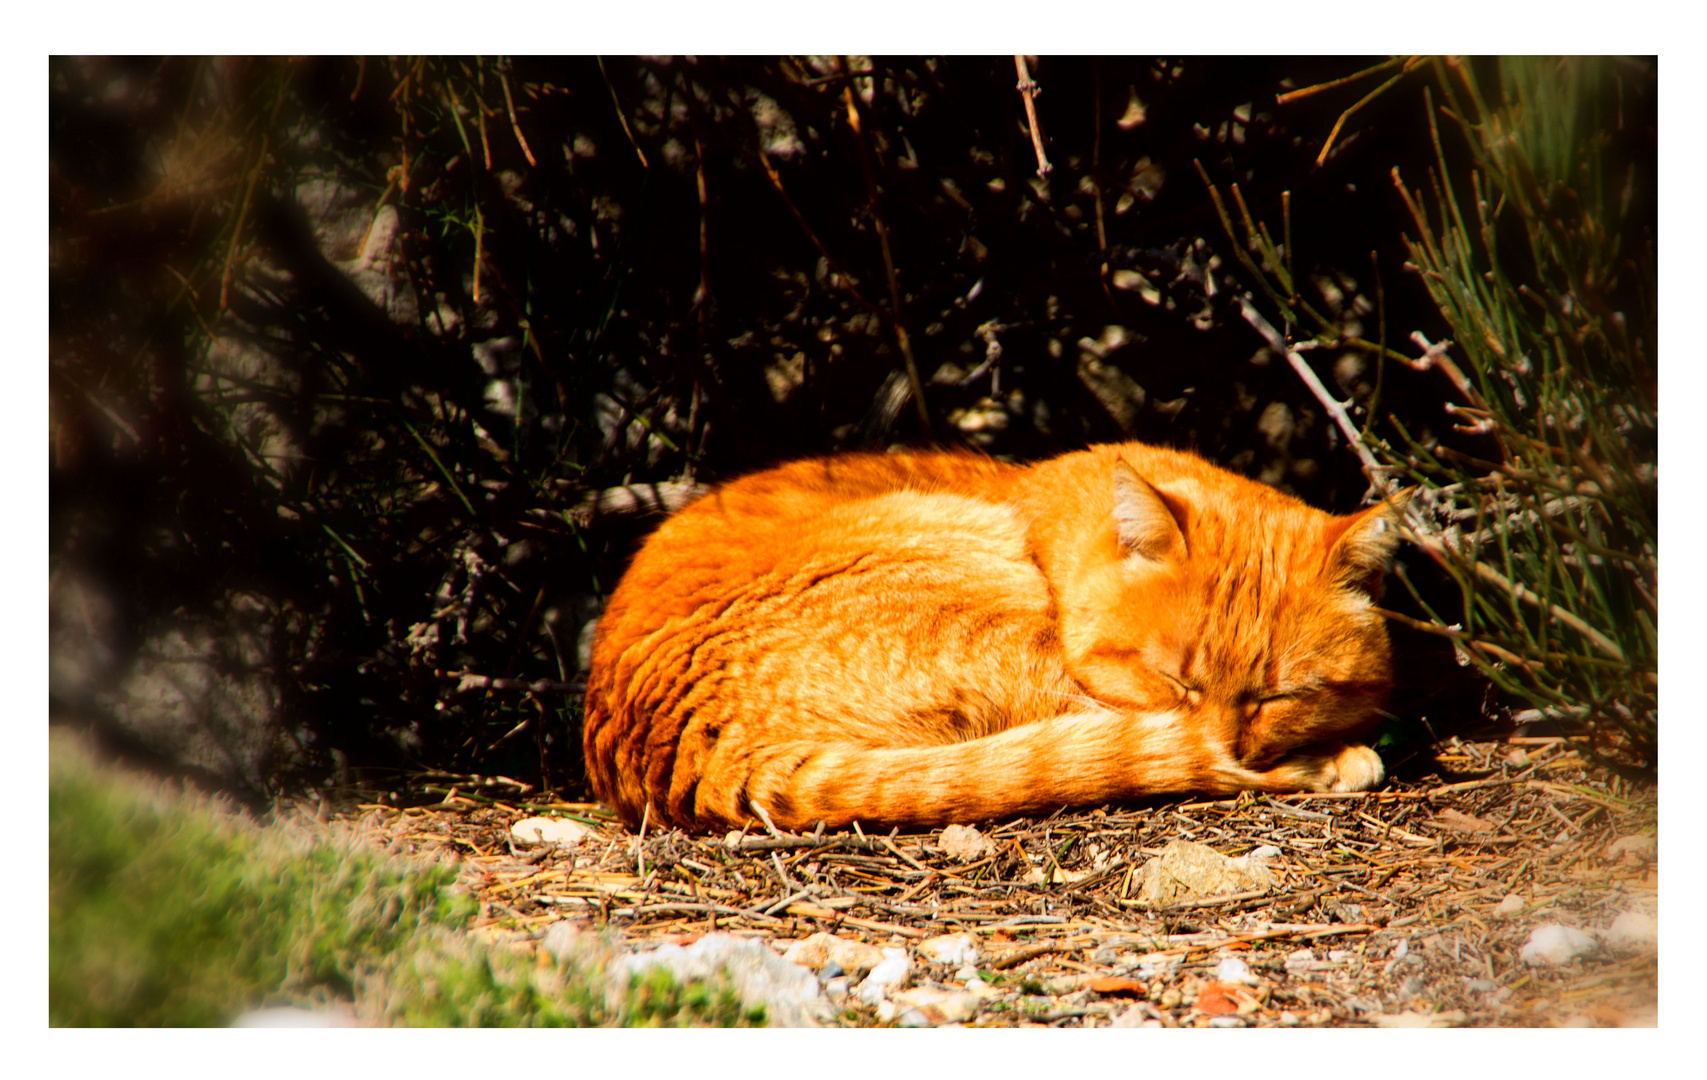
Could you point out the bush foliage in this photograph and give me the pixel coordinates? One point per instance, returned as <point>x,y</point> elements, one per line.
<point>398,357</point>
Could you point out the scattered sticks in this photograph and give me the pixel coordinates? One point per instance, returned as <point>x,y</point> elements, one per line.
<point>1057,902</point>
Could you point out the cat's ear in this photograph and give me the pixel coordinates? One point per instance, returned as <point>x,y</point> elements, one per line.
<point>1362,544</point>
<point>1142,521</point>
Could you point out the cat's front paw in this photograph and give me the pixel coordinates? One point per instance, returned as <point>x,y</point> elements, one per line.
<point>1356,768</point>
<point>1347,768</point>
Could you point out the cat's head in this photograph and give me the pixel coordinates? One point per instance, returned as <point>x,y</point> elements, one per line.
<point>1245,610</point>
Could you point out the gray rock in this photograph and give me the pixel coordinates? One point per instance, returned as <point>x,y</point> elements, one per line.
<point>1186,871</point>
<point>964,844</point>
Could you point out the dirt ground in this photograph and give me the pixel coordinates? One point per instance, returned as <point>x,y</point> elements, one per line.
<point>1389,908</point>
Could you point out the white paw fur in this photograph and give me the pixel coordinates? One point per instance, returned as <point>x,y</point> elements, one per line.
<point>1355,768</point>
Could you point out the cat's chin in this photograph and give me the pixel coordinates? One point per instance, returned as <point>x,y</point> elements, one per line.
<point>1332,768</point>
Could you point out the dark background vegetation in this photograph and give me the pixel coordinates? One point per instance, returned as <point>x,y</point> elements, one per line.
<point>367,374</point>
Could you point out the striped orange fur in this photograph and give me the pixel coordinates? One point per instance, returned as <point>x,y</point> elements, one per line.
<point>934,638</point>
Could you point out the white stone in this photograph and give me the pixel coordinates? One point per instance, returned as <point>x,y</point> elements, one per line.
<point>886,976</point>
<point>1555,944</point>
<point>789,992</point>
<point>536,831</point>
<point>957,949</point>
<point>1234,970</point>
<point>1633,929</point>
<point>1510,906</point>
<point>284,1016</point>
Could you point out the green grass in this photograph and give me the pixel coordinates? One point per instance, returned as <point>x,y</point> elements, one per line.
<point>167,909</point>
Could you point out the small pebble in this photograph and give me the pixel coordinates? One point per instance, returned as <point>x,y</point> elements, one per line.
<point>1554,944</point>
<point>1287,1019</point>
<point>1510,906</point>
<point>1517,759</point>
<point>1132,1017</point>
<point>1226,1022</point>
<point>1301,961</point>
<point>892,972</point>
<point>949,949</point>
<point>1234,970</point>
<point>1171,997</point>
<point>535,831</point>
<point>913,1018</point>
<point>854,957</point>
<point>965,844</point>
<point>1478,986</point>
<point>830,970</point>
<point>938,1006</point>
<point>1636,847</point>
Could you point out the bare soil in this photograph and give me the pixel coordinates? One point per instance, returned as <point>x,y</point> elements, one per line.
<point>1384,915</point>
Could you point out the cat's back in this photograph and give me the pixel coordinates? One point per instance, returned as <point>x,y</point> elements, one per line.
<point>838,597</point>
<point>757,523</point>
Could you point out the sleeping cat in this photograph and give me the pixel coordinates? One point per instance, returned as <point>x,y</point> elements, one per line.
<point>934,638</point>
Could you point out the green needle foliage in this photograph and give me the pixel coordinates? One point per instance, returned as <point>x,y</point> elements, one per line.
<point>1551,299</point>
<point>164,909</point>
<point>1542,506</point>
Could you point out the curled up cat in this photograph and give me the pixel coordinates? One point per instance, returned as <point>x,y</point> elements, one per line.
<point>933,638</point>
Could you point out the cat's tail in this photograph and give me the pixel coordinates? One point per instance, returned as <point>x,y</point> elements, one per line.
<point>1086,758</point>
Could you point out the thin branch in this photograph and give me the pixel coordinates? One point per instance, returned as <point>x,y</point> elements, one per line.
<point>1029,90</point>
<point>1336,409</point>
<point>915,384</point>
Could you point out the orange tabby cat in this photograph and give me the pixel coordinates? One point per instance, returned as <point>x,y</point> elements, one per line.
<point>939,638</point>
